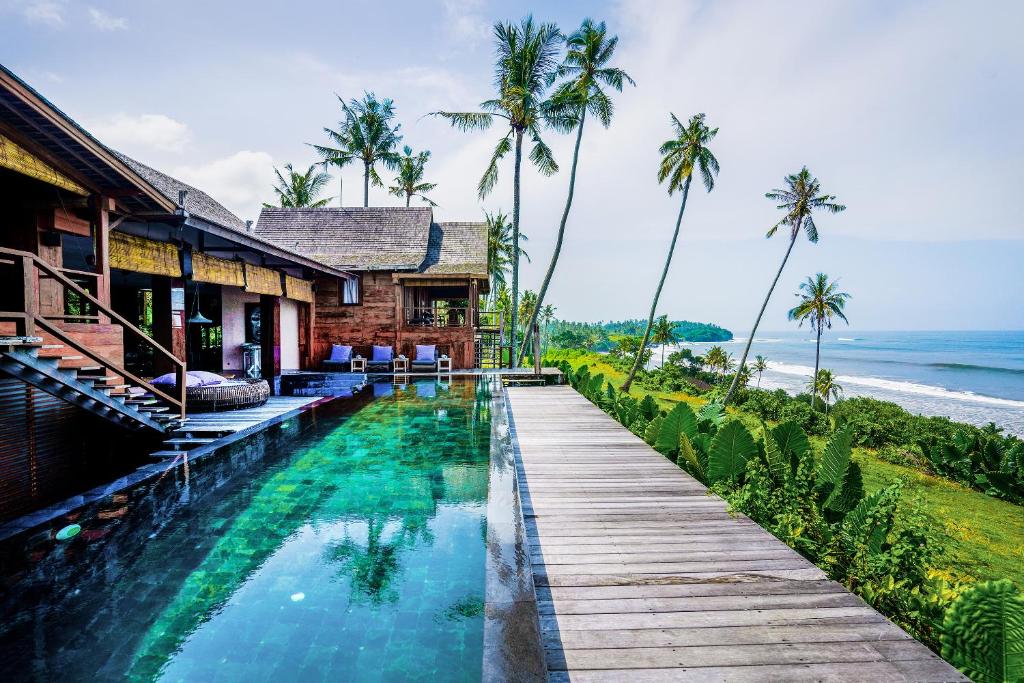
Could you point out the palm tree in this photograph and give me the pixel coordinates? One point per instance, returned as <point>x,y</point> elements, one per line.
<point>526,305</point>
<point>825,386</point>
<point>800,199</point>
<point>715,358</point>
<point>501,299</point>
<point>586,66</point>
<point>409,181</point>
<point>300,190</point>
<point>547,315</point>
<point>365,134</point>
<point>664,333</point>
<point>759,366</point>
<point>526,63</point>
<point>819,302</point>
<point>680,155</point>
<point>500,247</point>
<point>728,364</point>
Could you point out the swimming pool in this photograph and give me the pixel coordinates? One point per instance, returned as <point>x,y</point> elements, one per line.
<point>347,543</point>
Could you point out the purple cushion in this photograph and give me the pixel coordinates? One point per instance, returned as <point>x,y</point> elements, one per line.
<point>169,380</point>
<point>205,378</point>
<point>193,378</point>
<point>382,353</point>
<point>426,352</point>
<point>341,354</point>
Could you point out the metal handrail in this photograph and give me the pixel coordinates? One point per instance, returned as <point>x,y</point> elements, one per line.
<point>32,317</point>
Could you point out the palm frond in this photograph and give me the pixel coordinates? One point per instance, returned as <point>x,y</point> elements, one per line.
<point>490,177</point>
<point>542,156</point>
<point>467,120</point>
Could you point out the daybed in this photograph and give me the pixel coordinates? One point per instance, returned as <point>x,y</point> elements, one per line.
<point>207,391</point>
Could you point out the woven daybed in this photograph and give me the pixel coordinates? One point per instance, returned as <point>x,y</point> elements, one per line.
<point>232,395</point>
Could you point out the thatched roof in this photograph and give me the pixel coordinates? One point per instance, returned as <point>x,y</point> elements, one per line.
<point>197,202</point>
<point>379,238</point>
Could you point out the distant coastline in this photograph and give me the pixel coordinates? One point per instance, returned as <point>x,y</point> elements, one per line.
<point>685,330</point>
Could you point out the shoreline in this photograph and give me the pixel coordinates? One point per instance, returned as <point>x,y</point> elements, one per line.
<point>916,397</point>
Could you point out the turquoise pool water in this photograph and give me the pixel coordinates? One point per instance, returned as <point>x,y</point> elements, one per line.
<point>345,544</point>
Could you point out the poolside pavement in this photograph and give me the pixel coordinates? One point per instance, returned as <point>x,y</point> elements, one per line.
<point>641,575</point>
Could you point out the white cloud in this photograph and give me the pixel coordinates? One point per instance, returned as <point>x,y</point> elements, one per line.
<point>465,22</point>
<point>131,133</point>
<point>47,12</point>
<point>107,22</point>
<point>241,181</point>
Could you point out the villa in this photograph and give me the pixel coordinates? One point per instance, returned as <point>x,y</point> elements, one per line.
<point>115,273</point>
<point>410,280</point>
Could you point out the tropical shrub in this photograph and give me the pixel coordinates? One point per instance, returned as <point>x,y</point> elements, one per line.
<point>983,633</point>
<point>990,464</point>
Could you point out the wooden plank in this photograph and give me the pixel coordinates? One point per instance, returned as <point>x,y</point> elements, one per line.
<point>641,574</point>
<point>874,630</point>
<point>918,671</point>
<point>735,655</point>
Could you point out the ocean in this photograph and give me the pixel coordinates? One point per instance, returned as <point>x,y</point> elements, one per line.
<point>975,377</point>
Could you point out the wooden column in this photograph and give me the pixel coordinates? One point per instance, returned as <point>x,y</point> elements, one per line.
<point>102,237</point>
<point>305,323</point>
<point>474,303</point>
<point>168,324</point>
<point>399,317</point>
<point>270,337</point>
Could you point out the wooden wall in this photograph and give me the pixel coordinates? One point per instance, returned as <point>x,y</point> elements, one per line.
<point>375,321</point>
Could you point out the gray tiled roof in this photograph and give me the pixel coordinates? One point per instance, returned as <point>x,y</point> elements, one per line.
<point>197,202</point>
<point>457,247</point>
<point>378,238</point>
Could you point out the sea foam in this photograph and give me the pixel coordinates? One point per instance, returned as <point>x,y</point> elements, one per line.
<point>899,386</point>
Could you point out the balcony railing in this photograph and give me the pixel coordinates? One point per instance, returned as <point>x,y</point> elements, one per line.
<point>450,316</point>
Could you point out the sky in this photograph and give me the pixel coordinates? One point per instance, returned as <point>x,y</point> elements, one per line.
<point>908,112</point>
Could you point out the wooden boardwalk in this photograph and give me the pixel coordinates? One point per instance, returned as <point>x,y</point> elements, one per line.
<point>642,576</point>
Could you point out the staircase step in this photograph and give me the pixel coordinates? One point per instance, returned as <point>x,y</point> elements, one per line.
<point>140,401</point>
<point>186,433</point>
<point>153,409</point>
<point>87,368</point>
<point>166,454</point>
<point>112,387</point>
<point>187,442</point>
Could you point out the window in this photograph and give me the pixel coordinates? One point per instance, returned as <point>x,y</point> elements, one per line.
<point>350,292</point>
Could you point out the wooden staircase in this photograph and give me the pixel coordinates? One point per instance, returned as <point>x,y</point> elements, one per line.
<point>69,368</point>
<point>489,340</point>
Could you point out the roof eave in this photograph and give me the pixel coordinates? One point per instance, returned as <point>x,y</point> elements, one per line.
<point>246,240</point>
<point>58,118</point>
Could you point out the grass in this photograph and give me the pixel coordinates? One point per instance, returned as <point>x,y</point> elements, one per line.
<point>982,536</point>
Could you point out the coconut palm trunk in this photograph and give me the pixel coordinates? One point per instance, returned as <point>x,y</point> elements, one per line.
<point>515,241</point>
<point>657,293</point>
<point>760,314</point>
<point>366,183</point>
<point>558,241</point>
<point>817,364</point>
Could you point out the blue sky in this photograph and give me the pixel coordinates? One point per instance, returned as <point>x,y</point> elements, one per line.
<point>908,112</point>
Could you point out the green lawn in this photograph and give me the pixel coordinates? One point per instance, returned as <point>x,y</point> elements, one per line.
<point>983,536</point>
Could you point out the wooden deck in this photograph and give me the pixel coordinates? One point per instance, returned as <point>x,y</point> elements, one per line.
<point>642,576</point>
<point>208,431</point>
<point>247,418</point>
